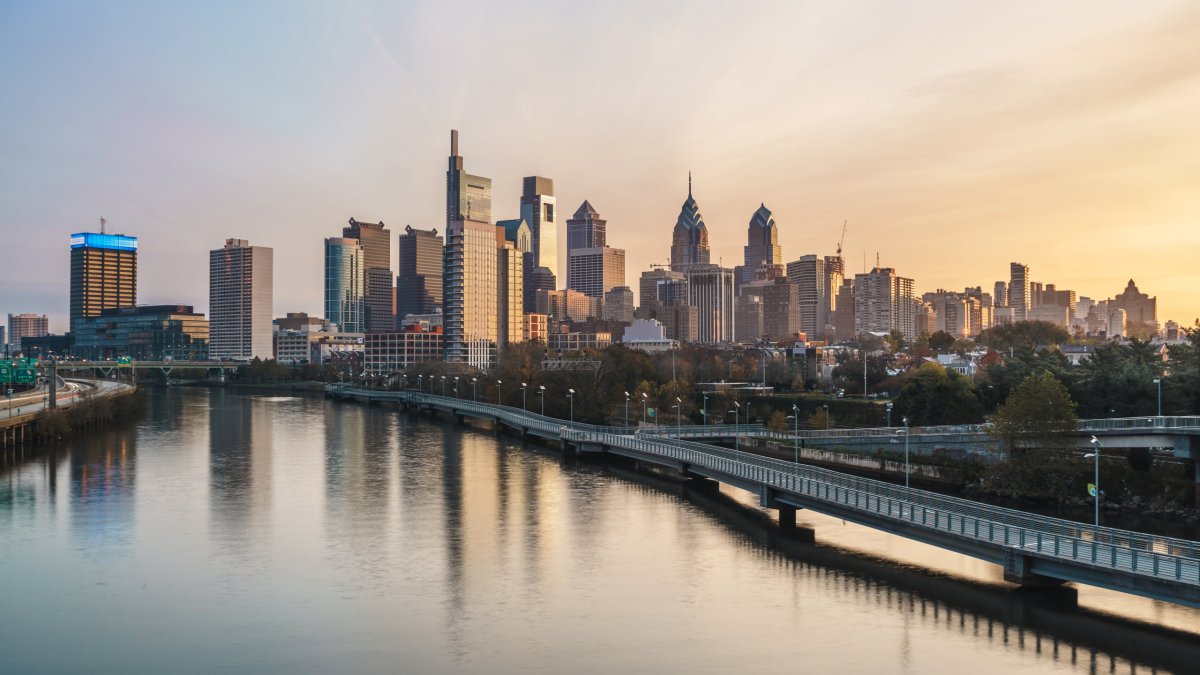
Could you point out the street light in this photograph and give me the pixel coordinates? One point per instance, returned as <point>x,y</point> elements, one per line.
<point>889,414</point>
<point>524,386</point>
<point>795,417</point>
<point>704,411</point>
<point>644,407</point>
<point>1158,381</point>
<point>678,414</point>
<point>498,383</point>
<point>827,420</point>
<point>474,394</point>
<point>736,436</point>
<point>455,386</point>
<point>1096,485</point>
<point>421,383</point>
<point>626,410</point>
<point>542,395</point>
<point>571,398</point>
<point>443,385</point>
<point>906,452</point>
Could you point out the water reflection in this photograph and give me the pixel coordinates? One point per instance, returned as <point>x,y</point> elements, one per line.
<point>298,534</point>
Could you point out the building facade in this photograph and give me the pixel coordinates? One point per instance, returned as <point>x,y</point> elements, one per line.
<point>595,270</point>
<point>539,210</point>
<point>710,291</point>
<point>240,278</point>
<point>419,277</point>
<point>783,310</point>
<point>471,311</point>
<point>618,304</point>
<point>809,275</point>
<point>467,197</point>
<point>145,333</point>
<point>25,326</point>
<point>103,273</point>
<point>378,295</point>
<point>883,302</point>
<point>344,299</point>
<point>586,229</point>
<point>762,245</point>
<point>396,351</point>
<point>1019,289</point>
<point>689,239</point>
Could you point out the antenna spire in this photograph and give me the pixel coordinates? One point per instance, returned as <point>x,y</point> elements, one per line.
<point>689,183</point>
<point>103,222</point>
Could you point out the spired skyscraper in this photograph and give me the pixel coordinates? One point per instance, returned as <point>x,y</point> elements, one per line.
<point>539,211</point>
<point>467,197</point>
<point>239,301</point>
<point>585,229</point>
<point>762,247</point>
<point>103,272</point>
<point>689,241</point>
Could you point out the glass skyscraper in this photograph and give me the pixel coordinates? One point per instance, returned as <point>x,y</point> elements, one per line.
<point>344,299</point>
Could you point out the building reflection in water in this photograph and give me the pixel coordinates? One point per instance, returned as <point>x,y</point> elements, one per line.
<point>102,490</point>
<point>240,459</point>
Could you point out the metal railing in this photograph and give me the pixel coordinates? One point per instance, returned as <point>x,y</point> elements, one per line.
<point>1138,553</point>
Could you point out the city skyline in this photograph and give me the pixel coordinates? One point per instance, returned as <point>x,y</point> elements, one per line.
<point>207,166</point>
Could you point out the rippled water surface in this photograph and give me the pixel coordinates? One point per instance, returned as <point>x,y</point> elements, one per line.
<point>234,532</point>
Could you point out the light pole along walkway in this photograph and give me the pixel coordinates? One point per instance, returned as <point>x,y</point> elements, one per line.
<point>1034,550</point>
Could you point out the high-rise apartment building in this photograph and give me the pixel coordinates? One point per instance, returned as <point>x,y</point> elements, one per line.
<point>595,270</point>
<point>344,299</point>
<point>471,309</point>
<point>103,273</point>
<point>1019,291</point>
<point>539,210</point>
<point>240,294</point>
<point>844,321</point>
<point>618,304</point>
<point>748,318</point>
<point>419,277</point>
<point>664,286</point>
<point>710,291</point>
<point>784,310</point>
<point>25,326</point>
<point>689,240</point>
<point>510,286</point>
<point>586,229</point>
<point>883,302</point>
<point>762,245</point>
<point>566,305</point>
<point>809,275</point>
<point>1000,294</point>
<point>467,197</point>
<point>377,285</point>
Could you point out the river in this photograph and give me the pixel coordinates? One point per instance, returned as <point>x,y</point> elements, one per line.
<point>239,532</point>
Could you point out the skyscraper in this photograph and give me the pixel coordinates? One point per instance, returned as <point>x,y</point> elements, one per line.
<point>784,310</point>
<point>762,245</point>
<point>538,209</point>
<point>618,304</point>
<point>808,273</point>
<point>239,301</point>
<point>470,308</point>
<point>103,273</point>
<point>376,241</point>
<point>1018,291</point>
<point>519,233</point>
<point>658,285</point>
<point>883,302</point>
<point>510,299</point>
<point>419,278</point>
<point>344,300</point>
<point>586,229</point>
<point>689,240</point>
<point>595,270</point>
<point>467,196</point>
<point>710,291</point>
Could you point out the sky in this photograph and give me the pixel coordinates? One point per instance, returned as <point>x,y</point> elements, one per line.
<point>952,137</point>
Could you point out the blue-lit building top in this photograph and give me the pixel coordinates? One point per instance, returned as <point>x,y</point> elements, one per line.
<point>113,242</point>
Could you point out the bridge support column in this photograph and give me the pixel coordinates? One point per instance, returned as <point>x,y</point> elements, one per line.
<point>787,518</point>
<point>698,485</point>
<point>1016,571</point>
<point>460,419</point>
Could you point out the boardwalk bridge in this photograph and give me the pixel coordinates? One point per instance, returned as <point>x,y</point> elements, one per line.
<point>1034,550</point>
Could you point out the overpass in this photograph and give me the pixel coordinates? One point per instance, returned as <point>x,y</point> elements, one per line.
<point>108,367</point>
<point>1034,550</point>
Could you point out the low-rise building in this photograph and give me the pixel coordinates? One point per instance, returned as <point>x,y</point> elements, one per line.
<point>391,352</point>
<point>145,333</point>
<point>573,342</point>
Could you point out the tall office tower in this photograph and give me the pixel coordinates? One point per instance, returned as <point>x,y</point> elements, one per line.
<point>419,278</point>
<point>689,241</point>
<point>762,245</point>
<point>25,326</point>
<point>510,293</point>
<point>884,302</point>
<point>344,300</point>
<point>538,208</point>
<point>710,291</point>
<point>376,243</point>
<point>103,272</point>
<point>618,304</point>
<point>1141,311</point>
<point>748,318</point>
<point>536,279</point>
<point>783,311</point>
<point>595,270</point>
<point>518,232</point>
<point>1000,294</point>
<point>835,272</point>
<point>470,314</point>
<point>844,321</point>
<point>4,346</point>
<point>808,274</point>
<point>467,197</point>
<point>586,229</point>
<point>239,301</point>
<point>1018,291</point>
<point>662,286</point>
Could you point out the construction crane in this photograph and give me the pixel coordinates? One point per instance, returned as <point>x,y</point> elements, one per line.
<point>839,248</point>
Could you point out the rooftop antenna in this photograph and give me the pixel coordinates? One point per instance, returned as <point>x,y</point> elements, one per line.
<point>103,222</point>
<point>689,183</point>
<point>876,259</point>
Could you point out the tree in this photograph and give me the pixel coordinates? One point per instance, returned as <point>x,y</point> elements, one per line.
<point>777,421</point>
<point>1039,413</point>
<point>941,341</point>
<point>1118,380</point>
<point>1181,389</point>
<point>933,395</point>
<point>820,419</point>
<point>1031,334</point>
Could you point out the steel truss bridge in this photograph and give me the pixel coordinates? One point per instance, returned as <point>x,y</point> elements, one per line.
<point>1034,550</point>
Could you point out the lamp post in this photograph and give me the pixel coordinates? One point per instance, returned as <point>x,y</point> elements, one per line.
<point>736,435</point>
<point>906,452</point>
<point>644,407</point>
<point>542,395</point>
<point>455,386</point>
<point>704,411</point>
<point>626,410</point>
<point>443,385</point>
<point>524,386</point>
<point>1158,381</point>
<point>498,383</point>
<point>1096,485</point>
<point>796,435</point>
<point>828,422</point>
<point>571,399</point>
<point>474,394</point>
<point>678,414</point>
<point>889,414</point>
<point>421,383</point>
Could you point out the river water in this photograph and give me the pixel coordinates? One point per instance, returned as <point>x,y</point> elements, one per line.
<point>235,532</point>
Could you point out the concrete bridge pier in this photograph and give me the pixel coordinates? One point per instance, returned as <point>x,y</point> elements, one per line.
<point>1016,571</point>
<point>703,486</point>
